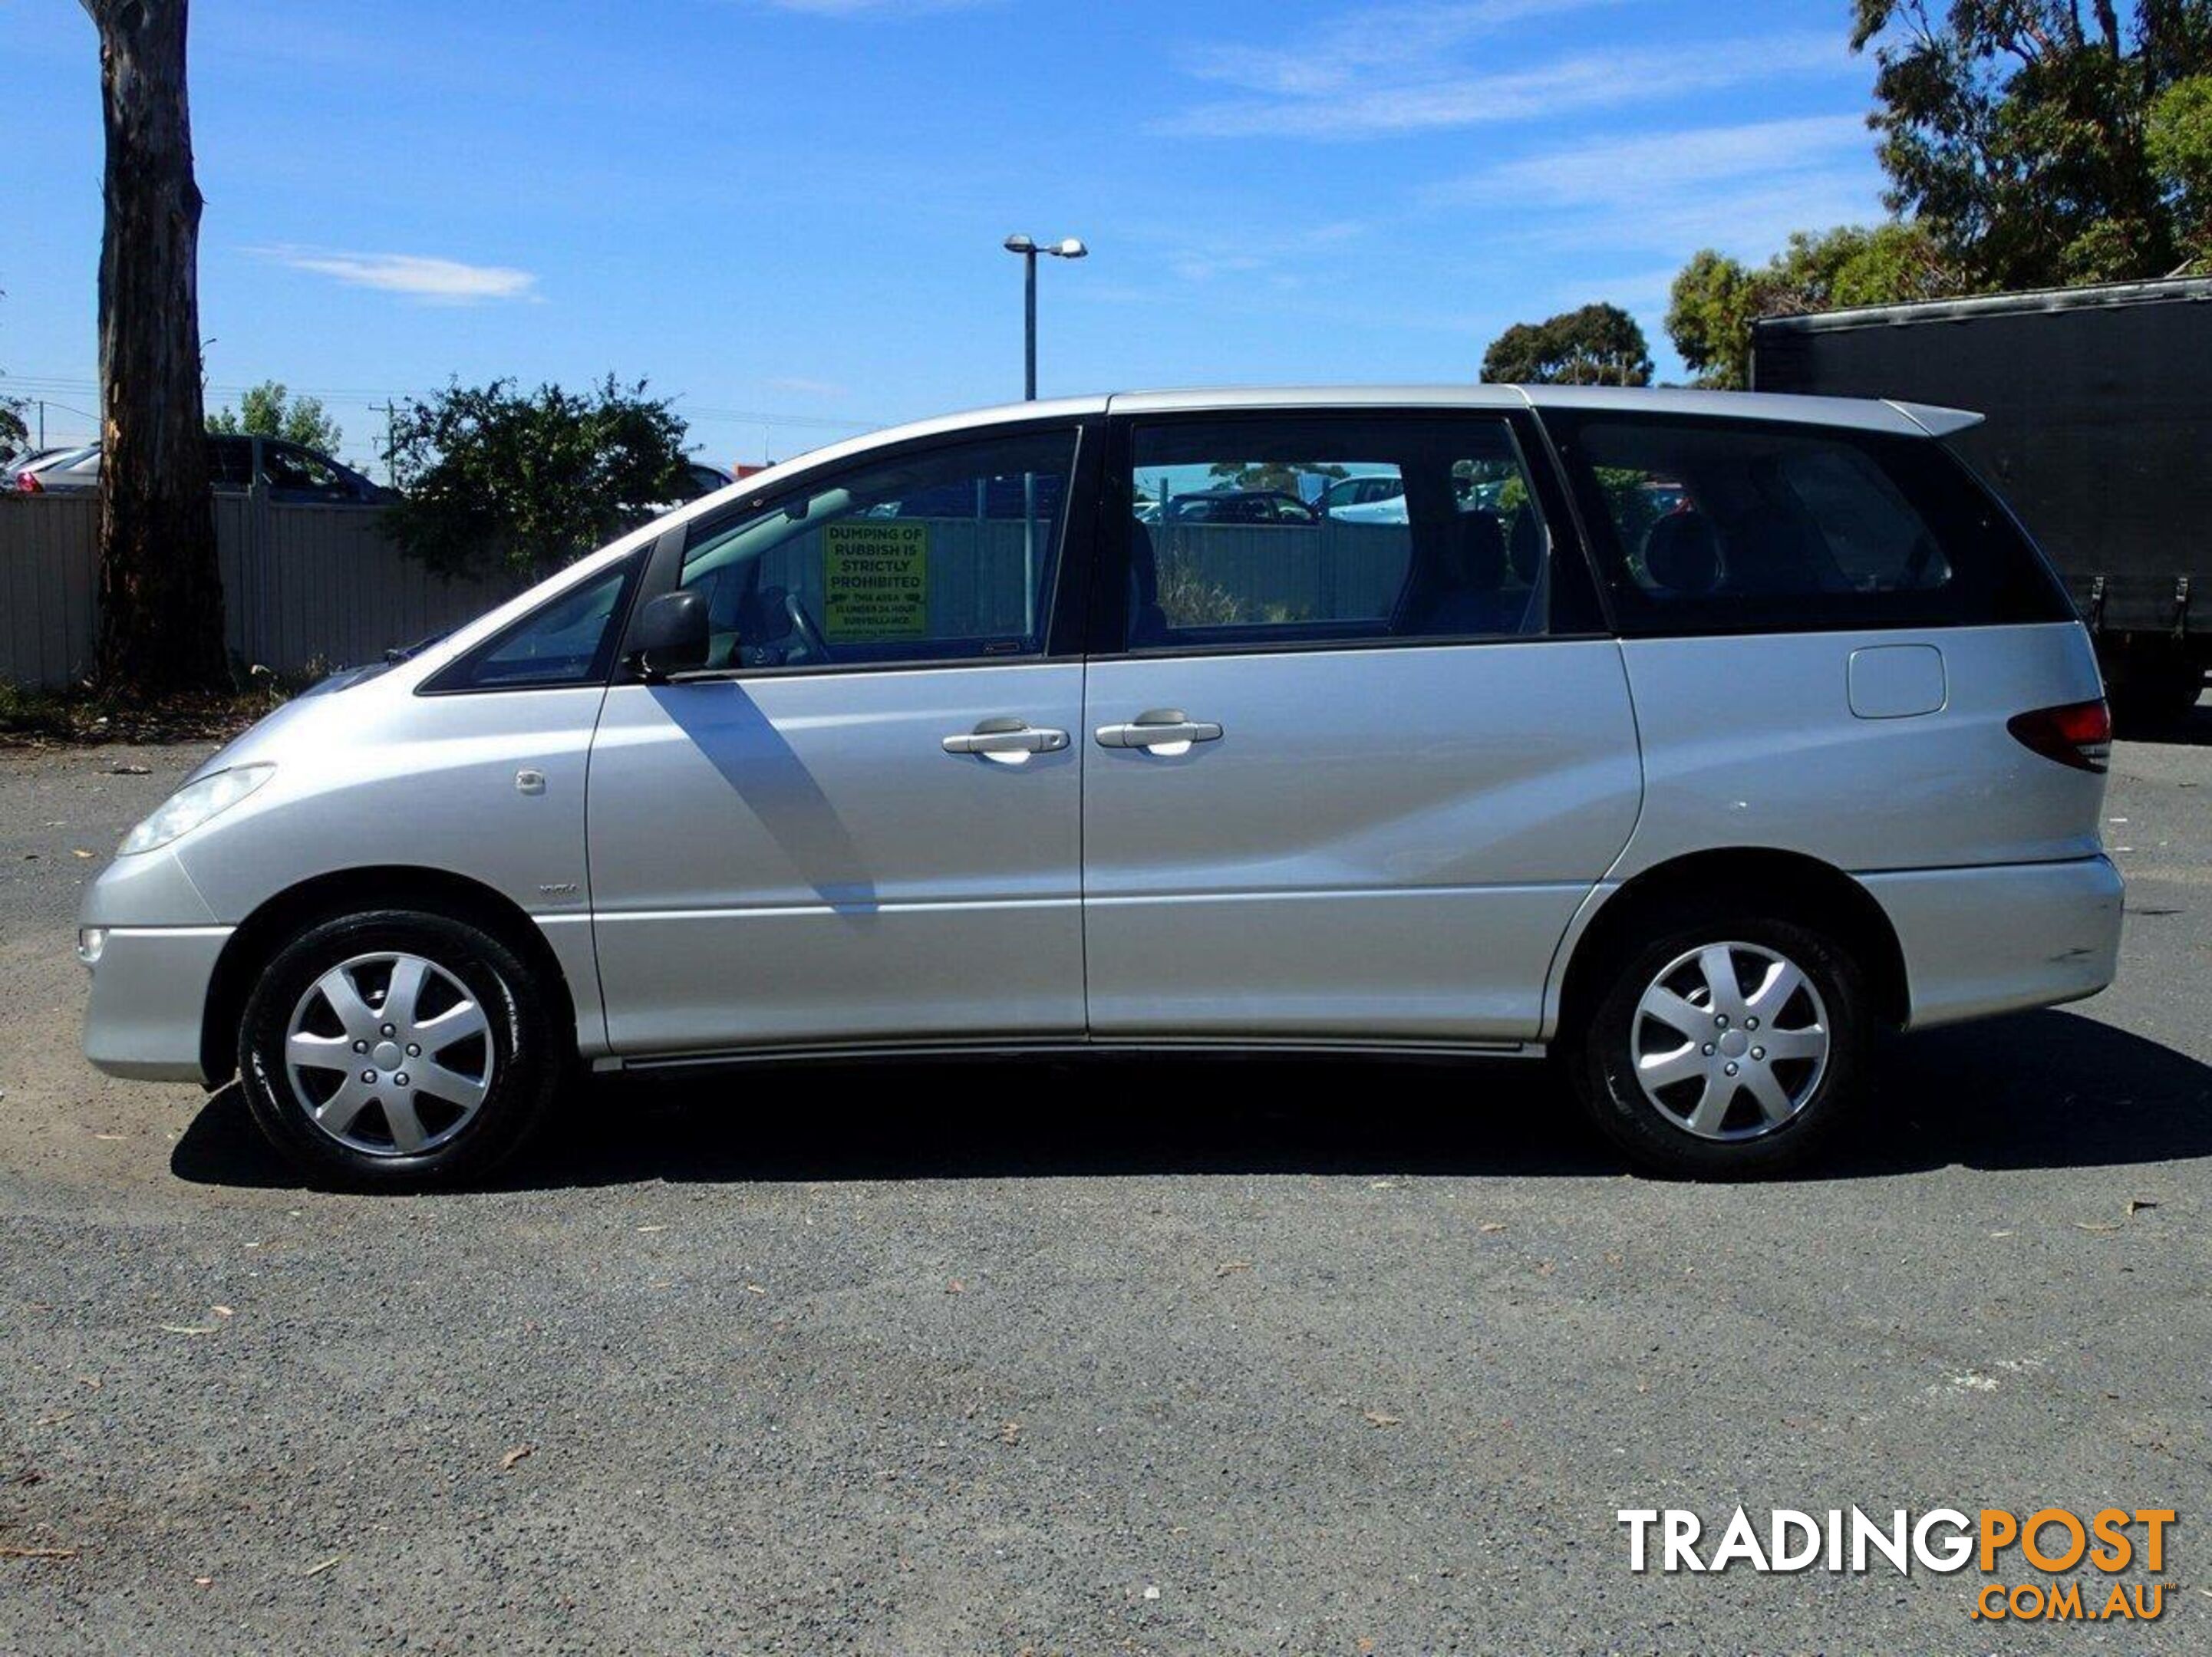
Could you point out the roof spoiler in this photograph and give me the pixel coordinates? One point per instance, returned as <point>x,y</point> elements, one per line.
<point>1936,420</point>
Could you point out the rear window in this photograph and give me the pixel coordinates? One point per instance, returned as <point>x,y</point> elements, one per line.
<point>1717,525</point>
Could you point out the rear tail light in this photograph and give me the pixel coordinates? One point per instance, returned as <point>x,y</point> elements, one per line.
<point>2079,734</point>
<point>28,484</point>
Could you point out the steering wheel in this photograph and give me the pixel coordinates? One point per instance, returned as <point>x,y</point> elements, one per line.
<point>818,647</point>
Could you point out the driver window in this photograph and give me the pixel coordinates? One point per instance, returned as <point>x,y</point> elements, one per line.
<point>945,554</point>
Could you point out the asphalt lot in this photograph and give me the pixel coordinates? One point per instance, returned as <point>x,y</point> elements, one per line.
<point>1147,1356</point>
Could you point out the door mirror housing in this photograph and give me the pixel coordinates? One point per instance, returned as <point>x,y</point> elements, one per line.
<point>671,635</point>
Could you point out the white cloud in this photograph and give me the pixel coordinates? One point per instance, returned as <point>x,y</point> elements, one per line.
<point>1618,170</point>
<point>799,385</point>
<point>1386,94</point>
<point>1740,188</point>
<point>436,281</point>
<point>1408,36</point>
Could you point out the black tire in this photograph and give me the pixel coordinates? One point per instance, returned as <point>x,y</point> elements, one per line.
<point>1601,1055</point>
<point>523,1052</point>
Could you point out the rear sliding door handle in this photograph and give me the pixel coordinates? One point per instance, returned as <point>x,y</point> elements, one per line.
<point>1160,728</point>
<point>1008,741</point>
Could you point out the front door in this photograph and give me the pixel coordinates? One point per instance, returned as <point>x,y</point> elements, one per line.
<point>1358,764</point>
<point>861,822</point>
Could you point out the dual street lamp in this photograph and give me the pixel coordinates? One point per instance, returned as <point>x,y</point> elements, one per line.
<point>1028,248</point>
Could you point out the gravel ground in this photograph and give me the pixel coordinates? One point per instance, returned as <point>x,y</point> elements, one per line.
<point>1141,1356</point>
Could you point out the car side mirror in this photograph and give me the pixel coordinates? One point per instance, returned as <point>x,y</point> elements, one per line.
<point>671,635</point>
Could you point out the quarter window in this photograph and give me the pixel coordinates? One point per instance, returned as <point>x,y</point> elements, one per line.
<point>945,554</point>
<point>568,639</point>
<point>1726,526</point>
<point>1263,531</point>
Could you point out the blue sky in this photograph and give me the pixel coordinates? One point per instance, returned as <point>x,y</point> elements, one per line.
<point>787,212</point>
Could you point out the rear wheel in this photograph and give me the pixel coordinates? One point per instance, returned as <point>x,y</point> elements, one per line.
<point>1727,1048</point>
<point>398,1049</point>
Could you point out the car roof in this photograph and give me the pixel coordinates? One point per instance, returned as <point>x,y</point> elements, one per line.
<point>1859,414</point>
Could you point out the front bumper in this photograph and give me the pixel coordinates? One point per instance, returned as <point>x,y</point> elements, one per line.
<point>150,989</point>
<point>2002,938</point>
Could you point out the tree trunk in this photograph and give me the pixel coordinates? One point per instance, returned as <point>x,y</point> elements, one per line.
<point>161,593</point>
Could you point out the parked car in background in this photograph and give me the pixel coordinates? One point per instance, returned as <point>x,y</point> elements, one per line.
<point>1698,802</point>
<point>1369,499</point>
<point>290,472</point>
<point>705,479</point>
<point>23,460</point>
<point>31,476</point>
<point>1240,507</point>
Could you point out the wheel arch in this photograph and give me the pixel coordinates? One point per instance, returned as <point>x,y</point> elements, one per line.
<point>326,896</point>
<point>1785,883</point>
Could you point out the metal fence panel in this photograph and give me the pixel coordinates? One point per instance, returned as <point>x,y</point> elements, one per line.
<point>304,587</point>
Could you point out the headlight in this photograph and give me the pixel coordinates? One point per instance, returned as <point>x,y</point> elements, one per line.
<point>193,805</point>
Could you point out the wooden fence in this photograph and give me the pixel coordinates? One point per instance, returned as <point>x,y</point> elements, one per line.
<point>304,587</point>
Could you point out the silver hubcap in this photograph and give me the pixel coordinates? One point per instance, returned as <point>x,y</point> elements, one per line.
<point>389,1055</point>
<point>1730,1041</point>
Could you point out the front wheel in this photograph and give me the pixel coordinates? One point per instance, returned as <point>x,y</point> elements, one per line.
<point>1724,1048</point>
<point>398,1050</point>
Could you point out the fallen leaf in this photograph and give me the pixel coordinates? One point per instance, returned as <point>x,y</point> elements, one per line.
<point>317,1570</point>
<point>30,1476</point>
<point>107,1136</point>
<point>2087,1225</point>
<point>1493,1225</point>
<point>755,1289</point>
<point>955,1287</point>
<point>1378,1419</point>
<point>515,1455</point>
<point>223,1311</point>
<point>1995,1235</point>
<point>38,1553</point>
<point>203,1582</point>
<point>189,1328</point>
<point>2137,1204</point>
<point>92,1381</point>
<point>653,1227</point>
<point>1011,1433</point>
<point>1227,1266</point>
<point>125,768</point>
<point>78,852</point>
<point>1150,1593</point>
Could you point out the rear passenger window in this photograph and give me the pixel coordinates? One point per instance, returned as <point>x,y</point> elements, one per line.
<point>1729,525</point>
<point>1261,530</point>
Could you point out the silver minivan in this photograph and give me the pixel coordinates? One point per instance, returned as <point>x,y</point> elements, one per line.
<point>1692,739</point>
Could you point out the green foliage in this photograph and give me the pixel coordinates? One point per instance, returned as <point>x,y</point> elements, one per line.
<point>268,410</point>
<point>2180,147</point>
<point>1715,299</point>
<point>494,477</point>
<point>1596,345</point>
<point>2020,132</point>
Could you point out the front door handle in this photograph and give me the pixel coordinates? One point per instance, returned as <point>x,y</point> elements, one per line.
<point>1009,740</point>
<point>1161,728</point>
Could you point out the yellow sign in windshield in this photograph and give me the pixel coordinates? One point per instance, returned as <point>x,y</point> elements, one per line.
<point>876,579</point>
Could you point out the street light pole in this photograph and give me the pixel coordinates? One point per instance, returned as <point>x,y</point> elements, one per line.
<point>1028,328</point>
<point>1028,248</point>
